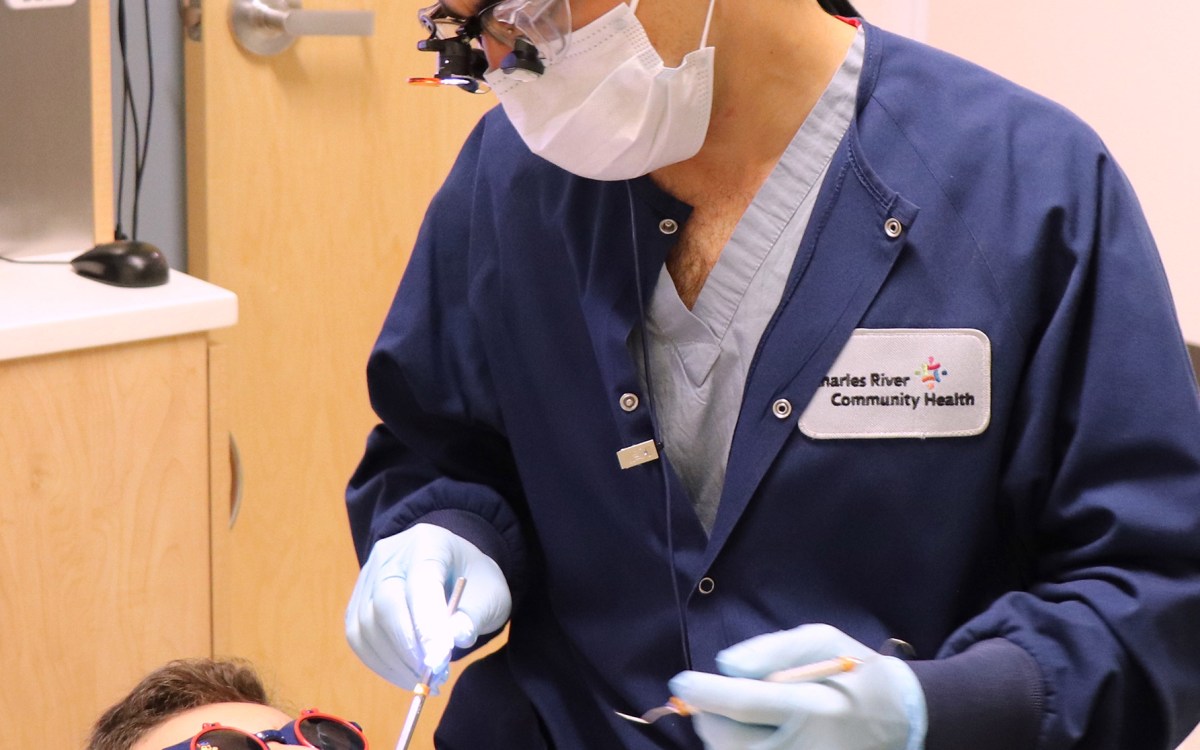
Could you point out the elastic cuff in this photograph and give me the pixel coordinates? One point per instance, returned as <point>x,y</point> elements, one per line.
<point>989,697</point>
<point>915,710</point>
<point>475,530</point>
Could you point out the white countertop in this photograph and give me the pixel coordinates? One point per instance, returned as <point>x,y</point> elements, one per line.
<point>49,308</point>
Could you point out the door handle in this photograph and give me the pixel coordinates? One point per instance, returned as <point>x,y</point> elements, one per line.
<point>268,27</point>
<point>237,481</point>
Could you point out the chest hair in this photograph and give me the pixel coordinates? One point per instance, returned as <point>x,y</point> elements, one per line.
<point>700,243</point>
<point>718,198</point>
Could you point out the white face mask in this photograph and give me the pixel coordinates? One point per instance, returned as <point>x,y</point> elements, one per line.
<point>609,109</point>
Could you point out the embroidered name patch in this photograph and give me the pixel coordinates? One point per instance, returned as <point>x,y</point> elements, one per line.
<point>905,383</point>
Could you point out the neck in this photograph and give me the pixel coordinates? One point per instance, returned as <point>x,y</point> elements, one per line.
<point>768,77</point>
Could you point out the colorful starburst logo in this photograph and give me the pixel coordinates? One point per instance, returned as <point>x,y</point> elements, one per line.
<point>931,373</point>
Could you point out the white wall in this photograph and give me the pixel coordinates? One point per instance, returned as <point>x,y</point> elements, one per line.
<point>1131,72</point>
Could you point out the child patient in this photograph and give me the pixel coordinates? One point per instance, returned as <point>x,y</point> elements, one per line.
<point>206,704</point>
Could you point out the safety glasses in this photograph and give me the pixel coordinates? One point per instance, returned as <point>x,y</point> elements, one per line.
<point>537,32</point>
<point>545,24</point>
<point>312,729</point>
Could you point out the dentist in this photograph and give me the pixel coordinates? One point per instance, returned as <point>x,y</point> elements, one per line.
<point>626,389</point>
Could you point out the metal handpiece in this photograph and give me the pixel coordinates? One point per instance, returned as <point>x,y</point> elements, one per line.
<point>673,707</point>
<point>421,691</point>
<point>804,673</point>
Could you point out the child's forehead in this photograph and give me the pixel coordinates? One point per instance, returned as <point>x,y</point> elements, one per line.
<point>249,717</point>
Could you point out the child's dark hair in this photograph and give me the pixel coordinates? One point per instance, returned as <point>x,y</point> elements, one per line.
<point>171,689</point>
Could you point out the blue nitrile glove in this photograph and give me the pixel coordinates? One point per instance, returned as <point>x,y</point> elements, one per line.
<point>398,621</point>
<point>878,706</point>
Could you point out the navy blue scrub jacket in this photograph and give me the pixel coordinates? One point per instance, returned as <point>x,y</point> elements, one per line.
<point>1047,571</point>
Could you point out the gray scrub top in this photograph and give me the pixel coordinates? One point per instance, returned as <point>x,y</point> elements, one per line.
<point>700,358</point>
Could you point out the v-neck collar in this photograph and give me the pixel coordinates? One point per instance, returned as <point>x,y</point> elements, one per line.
<point>697,334</point>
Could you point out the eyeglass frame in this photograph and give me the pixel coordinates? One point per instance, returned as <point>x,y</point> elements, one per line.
<point>471,27</point>
<point>530,40</point>
<point>289,733</point>
<point>463,65</point>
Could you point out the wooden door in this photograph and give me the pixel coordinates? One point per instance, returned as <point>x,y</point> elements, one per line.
<point>308,174</point>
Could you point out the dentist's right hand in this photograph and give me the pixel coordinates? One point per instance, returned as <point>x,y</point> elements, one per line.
<point>398,622</point>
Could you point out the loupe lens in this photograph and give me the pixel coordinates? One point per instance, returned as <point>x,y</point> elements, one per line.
<point>546,24</point>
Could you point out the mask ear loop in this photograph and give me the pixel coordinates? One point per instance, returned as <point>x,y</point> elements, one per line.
<point>684,641</point>
<point>707,23</point>
<point>633,6</point>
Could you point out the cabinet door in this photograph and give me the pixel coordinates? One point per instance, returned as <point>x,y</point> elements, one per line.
<point>308,173</point>
<point>104,550</point>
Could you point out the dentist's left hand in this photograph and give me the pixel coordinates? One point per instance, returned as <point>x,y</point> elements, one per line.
<point>878,706</point>
<point>398,621</point>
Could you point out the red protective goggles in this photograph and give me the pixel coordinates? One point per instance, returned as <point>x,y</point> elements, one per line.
<point>312,729</point>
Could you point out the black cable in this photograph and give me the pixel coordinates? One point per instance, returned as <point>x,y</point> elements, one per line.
<point>684,641</point>
<point>141,140</point>
<point>128,110</point>
<point>140,161</point>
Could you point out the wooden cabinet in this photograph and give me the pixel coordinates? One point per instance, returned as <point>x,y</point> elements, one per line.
<point>104,528</point>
